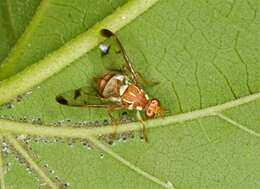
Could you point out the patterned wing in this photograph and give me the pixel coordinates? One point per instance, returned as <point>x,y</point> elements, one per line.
<point>83,97</point>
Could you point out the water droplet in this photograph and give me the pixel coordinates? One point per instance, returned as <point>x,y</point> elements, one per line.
<point>89,147</point>
<point>68,120</point>
<point>101,156</point>
<point>105,122</point>
<point>21,137</point>
<point>9,105</point>
<point>110,142</point>
<point>37,121</point>
<point>28,169</point>
<point>97,123</point>
<point>66,185</point>
<point>19,98</point>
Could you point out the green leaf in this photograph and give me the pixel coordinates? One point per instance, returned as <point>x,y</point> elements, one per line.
<point>205,54</point>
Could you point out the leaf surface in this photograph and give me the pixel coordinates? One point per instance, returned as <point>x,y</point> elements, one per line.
<point>205,54</point>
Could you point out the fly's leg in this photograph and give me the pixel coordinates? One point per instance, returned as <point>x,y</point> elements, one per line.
<point>114,120</point>
<point>140,119</point>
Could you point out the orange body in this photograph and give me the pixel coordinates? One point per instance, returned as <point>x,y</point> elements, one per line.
<point>134,98</point>
<point>118,88</point>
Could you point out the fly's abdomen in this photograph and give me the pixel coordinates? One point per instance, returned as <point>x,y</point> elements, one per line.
<point>109,85</point>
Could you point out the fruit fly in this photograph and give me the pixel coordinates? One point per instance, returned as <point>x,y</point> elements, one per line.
<point>121,89</point>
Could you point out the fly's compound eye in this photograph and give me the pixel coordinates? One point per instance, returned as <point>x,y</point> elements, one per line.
<point>149,113</point>
<point>155,102</point>
<point>153,108</point>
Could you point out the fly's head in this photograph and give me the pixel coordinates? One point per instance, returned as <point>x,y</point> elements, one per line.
<point>153,108</point>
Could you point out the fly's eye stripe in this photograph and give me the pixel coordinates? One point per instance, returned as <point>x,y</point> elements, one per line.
<point>155,102</point>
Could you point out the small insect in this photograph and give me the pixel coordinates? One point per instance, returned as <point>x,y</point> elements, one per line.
<point>119,89</point>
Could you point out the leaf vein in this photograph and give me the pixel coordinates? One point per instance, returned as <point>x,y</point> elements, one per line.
<point>225,78</point>
<point>2,170</point>
<point>129,165</point>
<point>238,125</point>
<point>30,161</point>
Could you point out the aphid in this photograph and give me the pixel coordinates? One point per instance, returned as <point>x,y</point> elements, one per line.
<point>120,88</point>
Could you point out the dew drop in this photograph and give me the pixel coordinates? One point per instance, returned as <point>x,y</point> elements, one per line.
<point>110,142</point>
<point>89,147</point>
<point>66,185</point>
<point>105,122</point>
<point>101,156</point>
<point>19,98</point>
<point>21,137</point>
<point>96,123</point>
<point>9,105</point>
<point>37,121</point>
<point>68,120</point>
<point>5,149</point>
<point>28,169</point>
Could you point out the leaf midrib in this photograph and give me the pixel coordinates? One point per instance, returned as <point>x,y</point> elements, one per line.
<point>70,132</point>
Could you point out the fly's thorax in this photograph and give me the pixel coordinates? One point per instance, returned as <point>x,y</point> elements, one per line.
<point>134,98</point>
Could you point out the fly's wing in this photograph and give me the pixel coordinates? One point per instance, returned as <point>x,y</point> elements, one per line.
<point>115,56</point>
<point>111,55</point>
<point>83,97</point>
